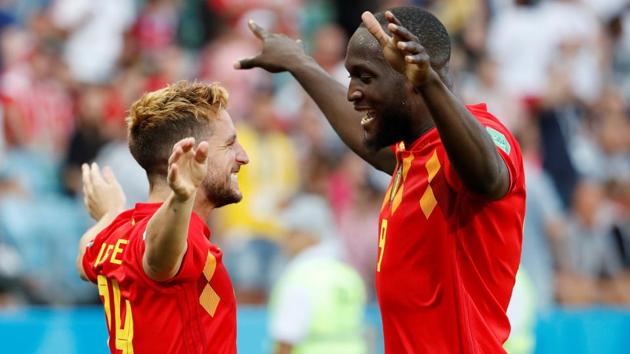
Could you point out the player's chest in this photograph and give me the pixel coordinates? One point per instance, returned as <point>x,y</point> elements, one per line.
<point>417,189</point>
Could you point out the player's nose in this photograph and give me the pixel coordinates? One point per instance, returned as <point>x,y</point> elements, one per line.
<point>354,95</point>
<point>241,155</point>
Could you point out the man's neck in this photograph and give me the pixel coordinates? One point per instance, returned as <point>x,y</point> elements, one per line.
<point>159,194</point>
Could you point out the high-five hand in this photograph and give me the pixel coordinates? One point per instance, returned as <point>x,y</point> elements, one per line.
<point>278,51</point>
<point>102,194</point>
<point>402,50</point>
<point>187,167</point>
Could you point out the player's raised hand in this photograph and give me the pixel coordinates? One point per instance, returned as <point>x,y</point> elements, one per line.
<point>278,51</point>
<point>102,193</point>
<point>402,49</point>
<point>187,167</point>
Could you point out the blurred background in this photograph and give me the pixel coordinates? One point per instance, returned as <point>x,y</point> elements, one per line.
<point>557,72</point>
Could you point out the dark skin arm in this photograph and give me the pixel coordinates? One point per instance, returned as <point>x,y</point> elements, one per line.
<point>468,146</point>
<point>281,53</point>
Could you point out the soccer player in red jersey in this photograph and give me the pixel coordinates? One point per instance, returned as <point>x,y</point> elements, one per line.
<point>162,282</point>
<point>450,227</point>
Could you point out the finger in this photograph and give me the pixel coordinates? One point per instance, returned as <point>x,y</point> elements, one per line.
<point>201,154</point>
<point>181,143</point>
<point>172,173</point>
<point>177,153</point>
<point>246,63</point>
<point>85,174</point>
<point>372,25</point>
<point>410,47</point>
<point>256,30</point>
<point>95,174</point>
<point>391,18</point>
<point>401,33</point>
<point>188,144</point>
<point>420,59</point>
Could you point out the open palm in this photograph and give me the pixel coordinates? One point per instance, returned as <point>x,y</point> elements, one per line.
<point>187,167</point>
<point>402,50</point>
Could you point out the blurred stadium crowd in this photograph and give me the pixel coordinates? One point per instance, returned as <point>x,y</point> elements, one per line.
<point>557,72</point>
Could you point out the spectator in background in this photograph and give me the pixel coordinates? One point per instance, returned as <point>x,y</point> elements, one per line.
<point>87,139</point>
<point>251,229</point>
<point>95,32</point>
<point>38,105</point>
<point>483,86</point>
<point>544,234</point>
<point>595,263</point>
<point>520,45</point>
<point>317,305</point>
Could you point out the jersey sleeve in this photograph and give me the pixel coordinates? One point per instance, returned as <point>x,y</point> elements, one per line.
<point>89,257</point>
<point>192,263</point>
<point>505,144</point>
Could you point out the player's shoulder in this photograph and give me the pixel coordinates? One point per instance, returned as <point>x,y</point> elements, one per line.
<point>120,220</point>
<point>499,133</point>
<point>485,117</point>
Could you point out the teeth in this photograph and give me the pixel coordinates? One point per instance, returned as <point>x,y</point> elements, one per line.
<point>369,116</point>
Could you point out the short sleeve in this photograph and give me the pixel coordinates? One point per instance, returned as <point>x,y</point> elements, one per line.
<point>290,320</point>
<point>89,257</point>
<point>505,144</point>
<point>192,263</point>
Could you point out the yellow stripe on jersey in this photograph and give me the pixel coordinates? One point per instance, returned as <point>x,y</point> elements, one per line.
<point>399,191</point>
<point>433,165</point>
<point>209,299</point>
<point>428,201</point>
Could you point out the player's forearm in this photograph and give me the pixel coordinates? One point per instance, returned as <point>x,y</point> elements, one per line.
<point>469,147</point>
<point>330,97</point>
<point>166,238</point>
<point>89,236</point>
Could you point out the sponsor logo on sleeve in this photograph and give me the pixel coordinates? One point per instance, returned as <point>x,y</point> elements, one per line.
<point>499,140</point>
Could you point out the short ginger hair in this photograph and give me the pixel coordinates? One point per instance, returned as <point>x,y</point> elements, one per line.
<point>161,118</point>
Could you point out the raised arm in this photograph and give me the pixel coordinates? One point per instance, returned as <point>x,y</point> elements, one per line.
<point>167,231</point>
<point>281,53</point>
<point>469,147</point>
<point>104,199</point>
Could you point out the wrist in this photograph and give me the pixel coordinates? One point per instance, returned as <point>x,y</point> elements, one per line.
<point>183,197</point>
<point>298,62</point>
<point>431,80</point>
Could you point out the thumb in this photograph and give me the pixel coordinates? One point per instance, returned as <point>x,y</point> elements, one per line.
<point>247,63</point>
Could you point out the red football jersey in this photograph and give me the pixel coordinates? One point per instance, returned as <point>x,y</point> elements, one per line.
<point>195,312</point>
<point>448,258</point>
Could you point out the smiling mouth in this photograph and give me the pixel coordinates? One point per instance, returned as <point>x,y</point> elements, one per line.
<point>368,117</point>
